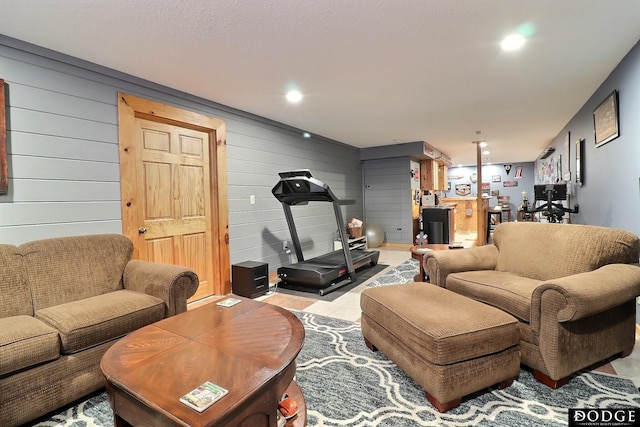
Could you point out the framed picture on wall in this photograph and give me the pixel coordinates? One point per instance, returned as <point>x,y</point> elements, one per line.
<point>580,161</point>
<point>4,176</point>
<point>605,120</point>
<point>566,166</point>
<point>518,174</point>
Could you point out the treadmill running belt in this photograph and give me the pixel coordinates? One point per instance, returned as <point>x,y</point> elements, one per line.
<point>321,271</point>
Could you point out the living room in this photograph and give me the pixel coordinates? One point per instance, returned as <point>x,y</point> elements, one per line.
<point>64,157</point>
<point>53,97</point>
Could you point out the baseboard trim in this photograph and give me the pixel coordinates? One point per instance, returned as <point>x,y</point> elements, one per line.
<point>406,246</point>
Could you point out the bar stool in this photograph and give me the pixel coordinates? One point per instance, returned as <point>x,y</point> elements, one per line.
<point>504,203</point>
<point>495,215</point>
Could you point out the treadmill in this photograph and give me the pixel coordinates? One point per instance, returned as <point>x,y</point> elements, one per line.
<point>325,273</point>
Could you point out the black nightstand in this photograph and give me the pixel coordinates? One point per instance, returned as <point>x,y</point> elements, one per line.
<point>250,279</point>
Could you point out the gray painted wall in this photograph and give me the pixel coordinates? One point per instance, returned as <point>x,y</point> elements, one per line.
<point>387,197</point>
<point>610,195</point>
<point>64,176</point>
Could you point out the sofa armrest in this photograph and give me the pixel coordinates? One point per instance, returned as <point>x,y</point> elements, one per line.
<point>439,264</point>
<point>171,283</point>
<point>585,294</point>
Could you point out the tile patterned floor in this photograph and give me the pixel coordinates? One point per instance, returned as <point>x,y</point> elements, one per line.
<point>347,307</point>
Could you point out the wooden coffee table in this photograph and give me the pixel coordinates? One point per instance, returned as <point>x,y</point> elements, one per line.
<point>249,349</point>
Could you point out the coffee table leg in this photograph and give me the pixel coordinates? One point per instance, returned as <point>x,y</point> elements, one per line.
<point>420,276</point>
<point>119,422</point>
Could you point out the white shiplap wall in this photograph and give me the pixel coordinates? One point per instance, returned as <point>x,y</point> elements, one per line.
<point>64,177</point>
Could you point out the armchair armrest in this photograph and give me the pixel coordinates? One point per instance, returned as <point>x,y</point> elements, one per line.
<point>582,295</point>
<point>439,264</point>
<point>171,283</point>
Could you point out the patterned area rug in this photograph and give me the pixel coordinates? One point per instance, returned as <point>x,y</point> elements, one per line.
<point>346,384</point>
<point>404,273</point>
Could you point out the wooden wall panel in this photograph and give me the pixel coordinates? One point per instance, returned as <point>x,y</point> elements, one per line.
<point>161,250</point>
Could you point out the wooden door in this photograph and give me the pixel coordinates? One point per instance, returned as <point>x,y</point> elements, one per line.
<point>173,184</point>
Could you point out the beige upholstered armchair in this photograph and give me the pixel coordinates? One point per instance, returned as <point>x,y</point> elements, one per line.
<point>572,288</point>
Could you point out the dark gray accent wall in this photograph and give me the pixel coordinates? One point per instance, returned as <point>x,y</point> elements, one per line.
<point>388,196</point>
<point>64,177</point>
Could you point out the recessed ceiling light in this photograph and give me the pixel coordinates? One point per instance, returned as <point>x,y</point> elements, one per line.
<point>294,96</point>
<point>306,135</point>
<point>512,42</point>
<point>483,144</point>
<point>486,152</point>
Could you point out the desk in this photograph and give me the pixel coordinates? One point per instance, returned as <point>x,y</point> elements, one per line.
<point>417,252</point>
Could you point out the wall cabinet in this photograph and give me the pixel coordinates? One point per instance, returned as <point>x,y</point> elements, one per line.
<point>433,175</point>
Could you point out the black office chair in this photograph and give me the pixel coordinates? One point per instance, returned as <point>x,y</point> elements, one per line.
<point>549,193</point>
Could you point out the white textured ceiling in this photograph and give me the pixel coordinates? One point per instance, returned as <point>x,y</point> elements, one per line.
<point>373,72</point>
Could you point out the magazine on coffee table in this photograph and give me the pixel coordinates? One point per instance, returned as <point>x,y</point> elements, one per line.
<point>203,396</point>
<point>229,302</point>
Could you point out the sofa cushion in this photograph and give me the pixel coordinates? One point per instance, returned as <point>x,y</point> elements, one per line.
<point>96,320</point>
<point>15,297</point>
<point>500,289</point>
<point>25,342</point>
<point>67,269</point>
<point>547,251</point>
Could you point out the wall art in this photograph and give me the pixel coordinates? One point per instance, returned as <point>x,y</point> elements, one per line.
<point>4,175</point>
<point>580,161</point>
<point>518,174</point>
<point>605,120</point>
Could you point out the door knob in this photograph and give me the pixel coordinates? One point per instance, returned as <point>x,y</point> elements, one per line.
<point>142,230</point>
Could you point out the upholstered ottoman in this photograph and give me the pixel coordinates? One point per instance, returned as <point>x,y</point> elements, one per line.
<point>449,344</point>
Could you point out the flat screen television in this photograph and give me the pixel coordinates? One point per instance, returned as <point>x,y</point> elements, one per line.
<point>558,191</point>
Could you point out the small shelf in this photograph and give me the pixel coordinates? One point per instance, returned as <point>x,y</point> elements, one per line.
<point>357,243</point>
